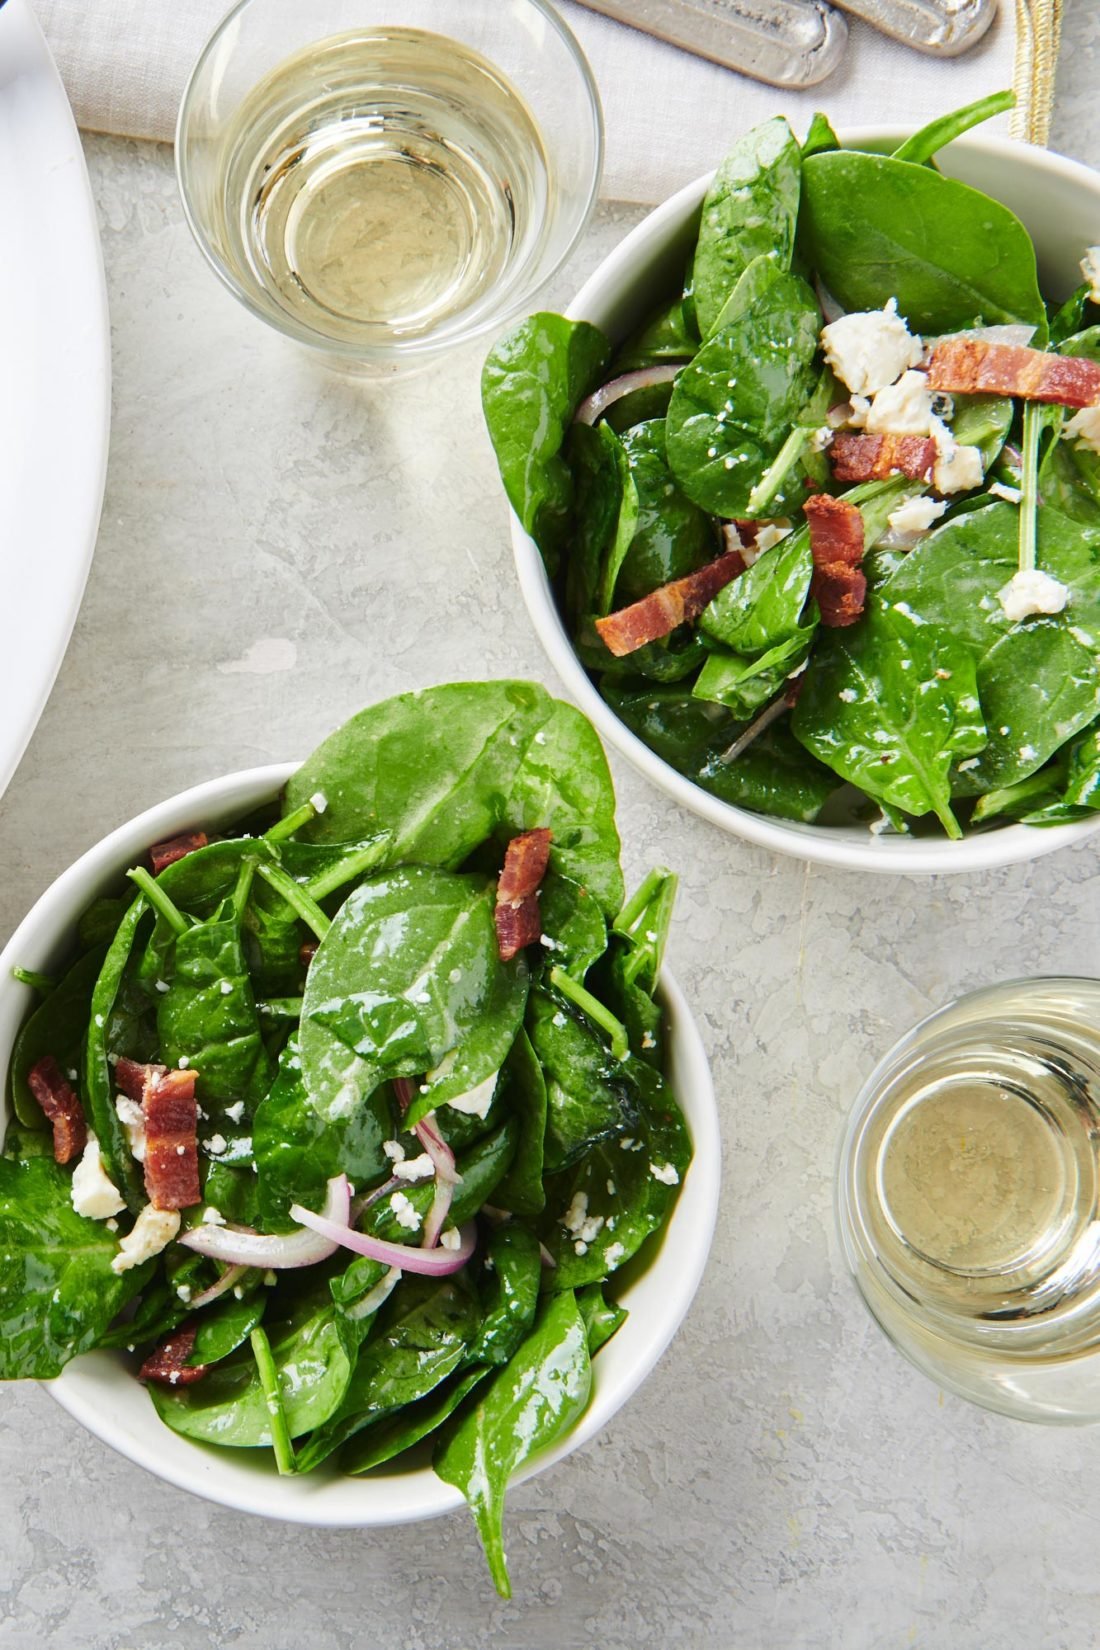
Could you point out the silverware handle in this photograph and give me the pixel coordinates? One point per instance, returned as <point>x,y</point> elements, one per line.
<point>782,42</point>
<point>943,28</point>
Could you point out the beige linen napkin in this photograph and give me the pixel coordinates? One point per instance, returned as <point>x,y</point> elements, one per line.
<point>669,115</point>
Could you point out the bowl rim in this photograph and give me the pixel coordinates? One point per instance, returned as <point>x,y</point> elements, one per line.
<point>406,352</point>
<point>409,1495</point>
<point>1009,844</point>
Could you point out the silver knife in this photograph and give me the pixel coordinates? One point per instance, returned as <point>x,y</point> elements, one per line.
<point>783,42</point>
<point>942,27</point>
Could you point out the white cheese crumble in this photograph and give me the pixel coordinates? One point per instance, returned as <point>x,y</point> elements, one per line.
<point>666,1173</point>
<point>613,1254</point>
<point>580,1247</point>
<point>451,1238</point>
<point>216,1144</point>
<point>583,1226</point>
<point>94,1195</point>
<point>183,1062</point>
<point>769,535</point>
<point>132,1118</point>
<point>849,695</point>
<point>1084,427</point>
<point>821,438</point>
<point>476,1101</point>
<point>183,1290</point>
<point>153,1230</point>
<point>916,515</point>
<point>415,1168</point>
<point>318,802</point>
<point>394,1150</point>
<point>1011,495</point>
<point>1031,592</point>
<point>404,1212</point>
<point>235,1112</point>
<point>1090,269</point>
<point>904,408</point>
<point>226,988</point>
<point>212,1216</point>
<point>957,469</point>
<point>870,349</point>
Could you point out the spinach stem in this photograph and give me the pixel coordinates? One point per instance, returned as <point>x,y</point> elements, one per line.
<point>1029,485</point>
<point>42,983</point>
<point>281,1008</point>
<point>283,828</point>
<point>159,900</point>
<point>245,878</point>
<point>946,128</point>
<point>628,917</point>
<point>345,869</point>
<point>779,469</point>
<point>269,1381</point>
<point>595,1010</point>
<point>297,898</point>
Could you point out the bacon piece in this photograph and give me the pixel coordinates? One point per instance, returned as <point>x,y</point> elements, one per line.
<point>61,1104</point>
<point>659,613</point>
<point>971,366</point>
<point>171,1139</point>
<point>517,909</point>
<point>163,854</point>
<point>306,952</point>
<point>836,544</point>
<point>167,1363</point>
<point>131,1077</point>
<point>875,457</point>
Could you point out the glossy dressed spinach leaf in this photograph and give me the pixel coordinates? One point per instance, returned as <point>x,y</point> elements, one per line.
<point>746,685</point>
<point>605,517</point>
<point>573,924</point>
<point>225,1326</point>
<point>1039,686</point>
<point>734,405</point>
<point>408,980</point>
<point>57,1290</point>
<point>765,606</point>
<point>891,705</point>
<point>750,211</point>
<point>587,1095</point>
<point>445,769</point>
<point>524,1095</point>
<point>56,1027</point>
<point>602,1318</point>
<point>873,227</point>
<point>509,1293</point>
<point>666,336</point>
<point>297,1151</point>
<point>531,384</point>
<point>672,536</point>
<point>97,1088</point>
<point>409,1426</point>
<point>524,1408</point>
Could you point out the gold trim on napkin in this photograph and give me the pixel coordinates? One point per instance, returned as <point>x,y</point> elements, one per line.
<point>1038,29</point>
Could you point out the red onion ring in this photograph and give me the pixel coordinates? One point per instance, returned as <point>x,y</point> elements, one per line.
<point>595,405</point>
<point>241,1246</point>
<point>435,1263</point>
<point>231,1275</point>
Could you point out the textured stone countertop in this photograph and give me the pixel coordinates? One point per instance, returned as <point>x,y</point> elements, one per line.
<point>278,548</point>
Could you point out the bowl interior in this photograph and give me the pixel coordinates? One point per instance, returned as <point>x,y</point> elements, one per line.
<point>99,1391</point>
<point>1059,202</point>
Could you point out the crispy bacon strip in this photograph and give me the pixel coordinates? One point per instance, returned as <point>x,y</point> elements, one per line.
<point>61,1104</point>
<point>167,1363</point>
<point>971,366</point>
<point>131,1078</point>
<point>163,854</point>
<point>171,1139</point>
<point>659,613</point>
<point>517,908</point>
<point>836,544</point>
<point>874,457</point>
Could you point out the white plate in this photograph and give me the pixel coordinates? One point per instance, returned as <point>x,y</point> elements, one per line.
<point>54,378</point>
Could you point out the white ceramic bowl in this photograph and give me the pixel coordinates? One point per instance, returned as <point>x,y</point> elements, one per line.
<point>1059,202</point>
<point>100,1392</point>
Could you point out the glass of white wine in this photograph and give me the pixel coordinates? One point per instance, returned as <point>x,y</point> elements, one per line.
<point>968,1197</point>
<point>386,179</point>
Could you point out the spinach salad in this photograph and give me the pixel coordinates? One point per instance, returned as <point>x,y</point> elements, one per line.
<point>339,1126</point>
<point>825,531</point>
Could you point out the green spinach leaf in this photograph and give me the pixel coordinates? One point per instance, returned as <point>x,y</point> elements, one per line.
<point>409,1426</point>
<point>510,1293</point>
<point>56,1027</point>
<point>750,211</point>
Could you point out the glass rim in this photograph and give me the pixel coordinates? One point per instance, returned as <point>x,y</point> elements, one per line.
<point>432,343</point>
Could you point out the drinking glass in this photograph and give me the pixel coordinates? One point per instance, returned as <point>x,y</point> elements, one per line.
<point>383,182</point>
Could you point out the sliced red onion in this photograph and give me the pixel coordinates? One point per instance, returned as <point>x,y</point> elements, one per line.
<point>895,539</point>
<point>241,1246</point>
<point>1012,332</point>
<point>404,1089</point>
<point>595,405</point>
<point>231,1275</point>
<point>435,1263</point>
<point>446,1179</point>
<point>830,309</point>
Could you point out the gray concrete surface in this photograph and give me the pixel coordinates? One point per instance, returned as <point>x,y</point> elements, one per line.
<point>278,548</point>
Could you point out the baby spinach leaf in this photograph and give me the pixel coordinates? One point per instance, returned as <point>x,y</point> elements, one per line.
<point>624,1189</point>
<point>764,607</point>
<point>510,1293</point>
<point>750,211</point>
<point>601,1318</point>
<point>775,775</point>
<point>604,518</point>
<point>421,1338</point>
<point>944,129</point>
<point>226,1325</point>
<point>56,1027</point>
<point>587,1095</point>
<point>1039,686</point>
<point>409,1426</point>
<point>668,660</point>
<point>820,137</point>
<point>57,1291</point>
<point>297,1151</point>
<point>672,535</point>
<point>524,1093</point>
<point>531,384</point>
<point>1083,778</point>
<point>96,1091</point>
<point>445,769</point>
<point>890,705</point>
<point>642,927</point>
<point>525,1408</point>
<point>746,685</point>
<point>408,980</point>
<point>874,227</point>
<point>666,336</point>
<point>573,923</point>
<point>229,1407</point>
<point>734,405</point>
